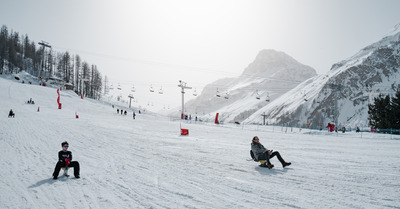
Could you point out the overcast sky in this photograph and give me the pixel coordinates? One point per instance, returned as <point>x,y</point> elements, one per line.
<point>159,42</point>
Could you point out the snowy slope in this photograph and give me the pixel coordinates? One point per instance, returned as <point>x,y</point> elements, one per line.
<point>144,163</point>
<point>271,74</point>
<point>351,83</point>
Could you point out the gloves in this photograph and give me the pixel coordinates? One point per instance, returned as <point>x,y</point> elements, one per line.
<point>67,162</point>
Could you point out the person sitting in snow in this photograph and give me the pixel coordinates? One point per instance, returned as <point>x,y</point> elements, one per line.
<point>261,153</point>
<point>11,114</point>
<point>65,160</point>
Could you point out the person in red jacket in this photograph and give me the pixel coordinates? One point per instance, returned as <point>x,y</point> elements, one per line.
<point>65,160</point>
<point>331,127</point>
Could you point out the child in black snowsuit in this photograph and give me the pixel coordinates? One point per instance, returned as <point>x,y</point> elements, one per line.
<point>65,160</point>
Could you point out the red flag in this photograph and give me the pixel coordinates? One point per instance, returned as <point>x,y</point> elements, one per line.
<point>216,118</point>
<point>58,98</point>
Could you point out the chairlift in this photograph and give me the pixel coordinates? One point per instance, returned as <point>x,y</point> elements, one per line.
<point>305,96</point>
<point>160,91</point>
<point>267,99</point>
<point>226,96</point>
<point>218,94</point>
<point>119,87</point>
<point>258,95</point>
<point>133,89</point>
<point>194,92</point>
<point>151,88</point>
<point>111,87</point>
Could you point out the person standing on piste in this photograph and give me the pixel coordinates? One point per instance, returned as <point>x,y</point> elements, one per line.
<point>65,160</point>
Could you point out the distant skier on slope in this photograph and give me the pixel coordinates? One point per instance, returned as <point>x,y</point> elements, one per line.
<point>65,160</point>
<point>261,153</point>
<point>11,114</point>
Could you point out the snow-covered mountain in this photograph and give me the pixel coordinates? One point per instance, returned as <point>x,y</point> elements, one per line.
<point>349,85</point>
<point>270,75</point>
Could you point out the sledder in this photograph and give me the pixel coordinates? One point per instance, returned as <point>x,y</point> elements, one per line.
<point>259,153</point>
<point>65,161</point>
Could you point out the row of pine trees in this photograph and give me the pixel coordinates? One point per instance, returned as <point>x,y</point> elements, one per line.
<point>18,53</point>
<point>384,113</point>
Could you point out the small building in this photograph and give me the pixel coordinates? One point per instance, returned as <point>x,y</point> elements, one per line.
<point>68,86</point>
<point>55,81</point>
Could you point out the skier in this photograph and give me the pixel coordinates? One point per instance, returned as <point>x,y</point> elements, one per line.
<point>261,153</point>
<point>331,127</point>
<point>65,160</point>
<point>11,114</point>
<point>134,115</point>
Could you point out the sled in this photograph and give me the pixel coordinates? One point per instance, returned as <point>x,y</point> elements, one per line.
<point>65,169</point>
<point>254,158</point>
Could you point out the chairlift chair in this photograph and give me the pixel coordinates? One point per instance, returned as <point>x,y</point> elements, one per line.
<point>160,91</point>
<point>267,99</point>
<point>305,96</point>
<point>218,94</point>
<point>258,95</point>
<point>133,89</point>
<point>226,96</point>
<point>194,92</point>
<point>119,87</point>
<point>151,88</point>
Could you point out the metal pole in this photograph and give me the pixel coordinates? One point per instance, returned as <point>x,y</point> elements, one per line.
<point>183,100</point>
<point>44,44</point>
<point>336,107</point>
<point>183,87</point>
<point>130,100</point>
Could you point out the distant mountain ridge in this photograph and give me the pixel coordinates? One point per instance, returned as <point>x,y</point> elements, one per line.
<point>349,85</point>
<point>271,74</point>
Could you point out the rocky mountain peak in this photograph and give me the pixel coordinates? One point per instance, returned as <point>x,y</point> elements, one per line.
<point>272,63</point>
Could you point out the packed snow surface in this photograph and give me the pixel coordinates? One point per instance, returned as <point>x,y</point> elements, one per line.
<point>145,163</point>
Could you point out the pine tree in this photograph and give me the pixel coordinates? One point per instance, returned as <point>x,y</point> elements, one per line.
<point>105,85</point>
<point>395,103</point>
<point>18,53</point>
<point>77,73</point>
<point>381,113</point>
<point>3,47</point>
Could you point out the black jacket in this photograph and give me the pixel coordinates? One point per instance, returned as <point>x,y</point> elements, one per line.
<point>258,149</point>
<point>62,155</point>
